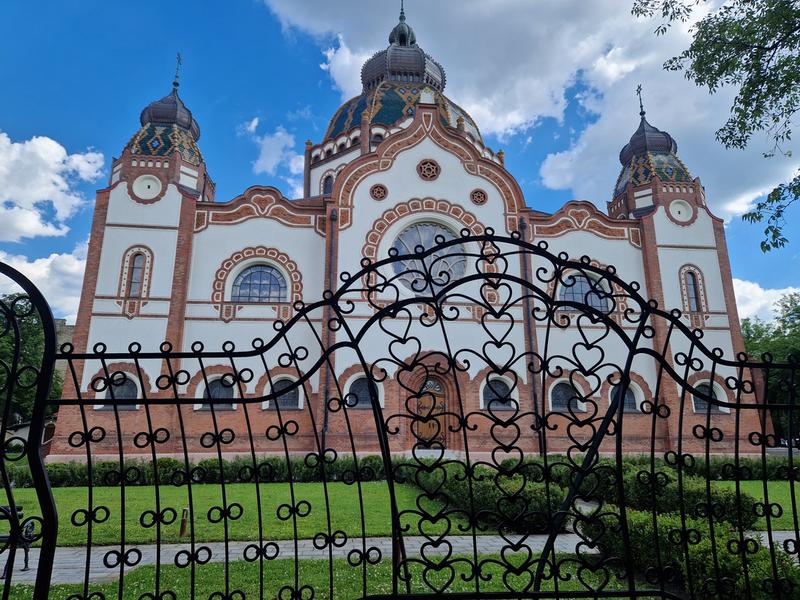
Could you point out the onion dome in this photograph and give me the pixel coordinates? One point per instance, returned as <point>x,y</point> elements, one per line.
<point>168,126</point>
<point>393,84</point>
<point>171,110</point>
<point>650,152</point>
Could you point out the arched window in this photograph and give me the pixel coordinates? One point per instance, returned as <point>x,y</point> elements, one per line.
<point>288,400</point>
<point>377,138</point>
<point>122,388</point>
<point>259,283</point>
<point>630,404</point>
<point>582,290</point>
<point>692,291</point>
<point>136,276</point>
<point>355,141</point>
<point>701,405</point>
<point>342,146</point>
<point>360,393</point>
<point>564,396</point>
<point>218,390</point>
<point>497,395</point>
<point>327,185</point>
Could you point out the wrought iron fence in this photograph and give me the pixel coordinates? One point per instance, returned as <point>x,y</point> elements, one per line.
<point>482,418</point>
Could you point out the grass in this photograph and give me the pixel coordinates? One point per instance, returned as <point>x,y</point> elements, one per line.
<point>349,582</point>
<point>779,493</point>
<point>345,511</point>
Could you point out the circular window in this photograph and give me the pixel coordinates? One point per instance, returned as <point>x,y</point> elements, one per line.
<point>479,197</point>
<point>681,211</point>
<point>378,192</point>
<point>428,169</point>
<point>147,187</point>
<point>437,269</point>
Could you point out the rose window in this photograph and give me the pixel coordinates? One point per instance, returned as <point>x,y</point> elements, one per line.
<point>478,197</point>
<point>378,192</point>
<point>428,169</point>
<point>437,269</point>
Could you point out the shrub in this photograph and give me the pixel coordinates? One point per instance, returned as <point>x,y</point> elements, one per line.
<point>660,550</point>
<point>488,497</point>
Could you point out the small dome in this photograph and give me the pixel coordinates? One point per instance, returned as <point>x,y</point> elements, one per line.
<point>170,110</point>
<point>402,61</point>
<point>650,152</point>
<point>647,139</point>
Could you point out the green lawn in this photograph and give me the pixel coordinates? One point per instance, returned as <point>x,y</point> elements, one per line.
<point>779,493</point>
<point>348,581</point>
<point>345,511</point>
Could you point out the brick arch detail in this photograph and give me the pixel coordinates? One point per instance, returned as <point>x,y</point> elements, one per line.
<point>696,318</point>
<point>426,124</point>
<point>143,382</point>
<point>196,386</point>
<point>131,307</point>
<point>295,283</point>
<point>640,382</point>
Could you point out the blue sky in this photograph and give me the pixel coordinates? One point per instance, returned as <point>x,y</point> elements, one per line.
<point>79,73</point>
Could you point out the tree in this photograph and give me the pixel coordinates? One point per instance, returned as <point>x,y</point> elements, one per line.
<point>780,339</point>
<point>31,349</point>
<point>755,45</point>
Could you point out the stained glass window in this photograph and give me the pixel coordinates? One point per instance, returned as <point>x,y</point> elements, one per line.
<point>692,292</point>
<point>700,404</point>
<point>136,275</point>
<point>565,396</point>
<point>327,185</point>
<point>359,394</point>
<point>443,266</point>
<point>287,400</point>
<point>497,395</point>
<point>217,390</point>
<point>580,289</point>
<point>259,283</point>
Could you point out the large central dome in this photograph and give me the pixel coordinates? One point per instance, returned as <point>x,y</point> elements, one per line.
<point>393,81</point>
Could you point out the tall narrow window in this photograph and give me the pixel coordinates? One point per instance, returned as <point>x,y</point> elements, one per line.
<point>327,185</point>
<point>692,291</point>
<point>136,275</point>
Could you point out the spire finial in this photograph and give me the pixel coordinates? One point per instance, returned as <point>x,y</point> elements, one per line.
<point>178,63</point>
<point>402,11</point>
<point>641,105</point>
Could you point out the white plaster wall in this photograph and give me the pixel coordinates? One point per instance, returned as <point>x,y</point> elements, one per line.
<point>122,209</point>
<point>118,239</point>
<point>213,245</point>
<point>332,164</point>
<point>699,233</point>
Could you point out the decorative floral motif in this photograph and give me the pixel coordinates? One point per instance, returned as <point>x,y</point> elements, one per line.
<point>478,196</point>
<point>378,192</point>
<point>429,169</point>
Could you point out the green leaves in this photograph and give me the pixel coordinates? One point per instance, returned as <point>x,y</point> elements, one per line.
<point>753,45</point>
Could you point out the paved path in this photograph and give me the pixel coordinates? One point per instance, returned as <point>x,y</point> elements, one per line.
<point>70,563</point>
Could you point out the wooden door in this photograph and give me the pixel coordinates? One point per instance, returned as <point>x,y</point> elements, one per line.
<point>431,428</point>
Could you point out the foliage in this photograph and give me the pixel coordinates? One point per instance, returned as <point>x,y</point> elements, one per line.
<point>31,336</point>
<point>753,45</point>
<point>694,565</point>
<point>486,497</point>
<point>778,341</point>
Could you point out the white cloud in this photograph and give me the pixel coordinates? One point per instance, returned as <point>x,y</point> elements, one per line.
<point>344,67</point>
<point>58,276</point>
<point>37,186</point>
<point>510,63</point>
<point>276,155</point>
<point>756,301</point>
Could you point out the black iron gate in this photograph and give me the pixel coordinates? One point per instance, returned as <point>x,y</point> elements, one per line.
<point>483,419</point>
